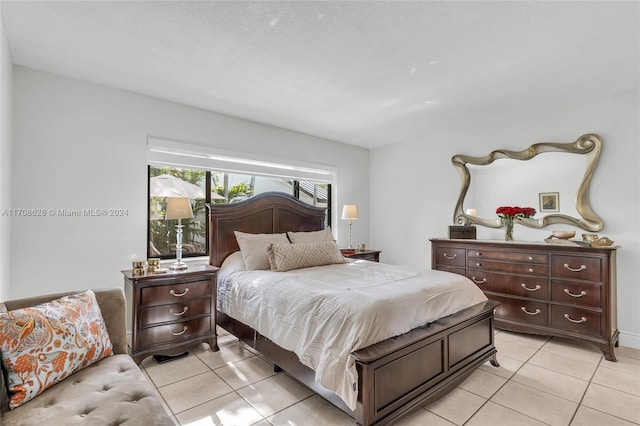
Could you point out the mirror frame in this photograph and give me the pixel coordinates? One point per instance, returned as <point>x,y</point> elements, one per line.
<point>589,145</point>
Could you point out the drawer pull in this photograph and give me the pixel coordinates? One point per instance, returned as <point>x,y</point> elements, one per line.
<point>530,313</point>
<point>478,264</point>
<point>581,268</point>
<point>530,257</point>
<point>478,254</point>
<point>450,257</point>
<point>184,330</point>
<point>184,311</point>
<point>530,269</point>
<point>582,293</point>
<point>582,319</point>
<point>536,288</point>
<point>173,293</point>
<point>482,281</point>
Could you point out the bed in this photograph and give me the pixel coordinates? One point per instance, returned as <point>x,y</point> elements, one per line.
<point>395,375</point>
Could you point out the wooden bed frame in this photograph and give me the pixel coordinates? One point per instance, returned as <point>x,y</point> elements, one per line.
<point>395,375</point>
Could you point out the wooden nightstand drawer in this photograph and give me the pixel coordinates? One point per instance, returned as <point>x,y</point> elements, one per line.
<point>175,332</point>
<point>173,293</point>
<point>576,267</point>
<point>174,311</point>
<point>371,255</point>
<point>575,319</point>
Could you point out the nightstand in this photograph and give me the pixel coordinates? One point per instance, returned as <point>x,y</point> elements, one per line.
<point>372,255</point>
<point>171,312</point>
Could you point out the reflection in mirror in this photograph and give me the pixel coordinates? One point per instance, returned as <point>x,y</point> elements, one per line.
<point>510,178</point>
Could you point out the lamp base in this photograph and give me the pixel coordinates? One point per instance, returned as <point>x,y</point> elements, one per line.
<point>178,266</point>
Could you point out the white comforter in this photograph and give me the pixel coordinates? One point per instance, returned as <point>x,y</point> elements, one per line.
<point>324,313</point>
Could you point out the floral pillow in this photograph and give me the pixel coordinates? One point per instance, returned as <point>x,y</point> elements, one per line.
<point>42,345</point>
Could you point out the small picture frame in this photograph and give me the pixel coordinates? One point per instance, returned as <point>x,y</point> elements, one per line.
<point>549,202</point>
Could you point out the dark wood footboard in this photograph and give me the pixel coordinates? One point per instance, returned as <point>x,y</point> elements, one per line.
<point>399,374</point>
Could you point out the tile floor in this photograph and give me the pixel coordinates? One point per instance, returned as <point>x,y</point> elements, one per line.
<point>541,381</point>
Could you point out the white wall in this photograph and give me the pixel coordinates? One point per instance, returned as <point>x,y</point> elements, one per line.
<point>414,187</point>
<point>79,145</point>
<point>5,161</point>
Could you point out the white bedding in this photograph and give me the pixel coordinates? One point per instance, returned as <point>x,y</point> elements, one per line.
<point>324,313</point>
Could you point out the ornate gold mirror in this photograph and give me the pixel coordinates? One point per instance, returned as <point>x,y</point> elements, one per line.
<point>544,176</point>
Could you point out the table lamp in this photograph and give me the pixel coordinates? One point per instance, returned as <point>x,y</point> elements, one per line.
<point>178,208</point>
<point>350,212</point>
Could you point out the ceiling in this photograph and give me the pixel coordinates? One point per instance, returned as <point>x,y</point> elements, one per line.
<point>363,73</point>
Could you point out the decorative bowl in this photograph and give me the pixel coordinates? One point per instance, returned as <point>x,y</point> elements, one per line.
<point>564,235</point>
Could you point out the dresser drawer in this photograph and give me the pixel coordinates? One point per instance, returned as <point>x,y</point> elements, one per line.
<point>533,287</point>
<point>576,319</point>
<point>519,310</point>
<point>576,267</point>
<point>175,311</point>
<point>175,293</point>
<point>513,268</point>
<point>175,332</point>
<point>576,293</point>
<point>511,256</point>
<point>450,256</point>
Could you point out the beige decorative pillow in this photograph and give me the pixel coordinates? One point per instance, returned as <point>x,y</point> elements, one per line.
<point>285,257</point>
<point>254,248</point>
<point>311,236</point>
<point>44,344</point>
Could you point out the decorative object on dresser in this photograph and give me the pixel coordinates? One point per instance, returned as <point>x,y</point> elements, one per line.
<point>463,232</point>
<point>350,213</point>
<point>509,215</point>
<point>171,312</point>
<point>547,289</point>
<point>372,255</point>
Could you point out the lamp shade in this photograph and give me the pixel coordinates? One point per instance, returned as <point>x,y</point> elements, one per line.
<point>350,211</point>
<point>178,208</point>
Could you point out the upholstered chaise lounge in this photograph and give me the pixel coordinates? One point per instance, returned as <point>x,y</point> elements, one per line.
<point>112,391</point>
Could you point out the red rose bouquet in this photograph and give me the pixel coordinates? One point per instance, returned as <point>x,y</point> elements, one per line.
<point>508,214</point>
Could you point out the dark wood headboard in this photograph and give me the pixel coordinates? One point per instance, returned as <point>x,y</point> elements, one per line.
<point>267,213</point>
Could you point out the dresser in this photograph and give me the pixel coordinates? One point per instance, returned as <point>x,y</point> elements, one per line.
<point>557,290</point>
<point>170,312</point>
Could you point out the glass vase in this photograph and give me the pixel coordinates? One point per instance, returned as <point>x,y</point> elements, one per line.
<point>508,228</point>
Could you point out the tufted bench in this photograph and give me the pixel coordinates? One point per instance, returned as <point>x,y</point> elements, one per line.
<point>111,392</point>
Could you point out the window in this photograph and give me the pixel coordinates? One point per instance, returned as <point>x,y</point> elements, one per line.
<point>202,186</point>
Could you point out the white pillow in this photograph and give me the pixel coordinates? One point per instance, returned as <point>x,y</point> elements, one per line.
<point>254,248</point>
<point>233,263</point>
<point>285,257</point>
<point>311,236</point>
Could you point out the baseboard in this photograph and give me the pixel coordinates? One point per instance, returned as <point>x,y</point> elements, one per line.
<point>630,340</point>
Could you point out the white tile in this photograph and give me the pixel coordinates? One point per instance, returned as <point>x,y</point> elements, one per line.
<point>274,394</point>
<point>483,384</point>
<point>590,417</point>
<point>311,411</point>
<point>422,417</point>
<point>551,382</point>
<point>535,404</point>
<point>624,364</point>
<point>457,406</point>
<point>176,370</point>
<point>225,356</point>
<point>494,414</point>
<point>563,361</point>
<point>508,366</point>
<point>617,379</point>
<point>242,373</point>
<point>533,340</point>
<point>191,392</point>
<point>613,402</point>
<point>228,410</point>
